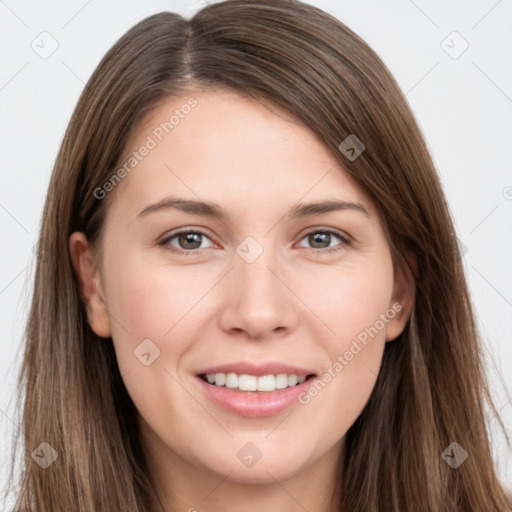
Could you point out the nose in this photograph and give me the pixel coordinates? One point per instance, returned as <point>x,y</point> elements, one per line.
<point>258,300</point>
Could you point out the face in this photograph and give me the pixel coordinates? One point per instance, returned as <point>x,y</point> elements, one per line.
<point>251,286</point>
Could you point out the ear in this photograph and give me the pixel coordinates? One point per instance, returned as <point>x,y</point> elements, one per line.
<point>402,300</point>
<point>91,288</point>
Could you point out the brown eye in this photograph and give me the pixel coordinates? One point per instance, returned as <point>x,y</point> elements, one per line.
<point>319,240</point>
<point>325,240</point>
<point>189,240</point>
<point>185,241</point>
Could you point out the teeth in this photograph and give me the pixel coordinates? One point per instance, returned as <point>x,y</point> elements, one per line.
<point>246,382</point>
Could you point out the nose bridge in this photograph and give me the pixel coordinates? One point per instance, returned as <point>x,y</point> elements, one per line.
<point>254,279</point>
<point>258,301</point>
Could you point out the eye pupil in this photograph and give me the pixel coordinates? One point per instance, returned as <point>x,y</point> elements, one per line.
<point>193,238</point>
<point>321,238</point>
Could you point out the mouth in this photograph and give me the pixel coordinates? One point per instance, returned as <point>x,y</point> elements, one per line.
<point>254,396</point>
<point>253,383</point>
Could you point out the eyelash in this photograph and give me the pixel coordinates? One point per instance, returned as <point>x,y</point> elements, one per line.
<point>345,241</point>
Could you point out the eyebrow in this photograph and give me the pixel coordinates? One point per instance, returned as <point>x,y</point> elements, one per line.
<point>213,210</point>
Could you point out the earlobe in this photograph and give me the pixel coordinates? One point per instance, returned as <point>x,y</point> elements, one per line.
<point>90,284</point>
<point>403,298</point>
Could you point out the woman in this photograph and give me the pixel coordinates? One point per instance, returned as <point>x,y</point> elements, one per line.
<point>315,348</point>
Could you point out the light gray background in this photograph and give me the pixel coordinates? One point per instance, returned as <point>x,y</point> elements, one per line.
<point>463,105</point>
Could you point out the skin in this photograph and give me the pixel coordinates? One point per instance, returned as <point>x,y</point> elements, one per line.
<point>295,303</point>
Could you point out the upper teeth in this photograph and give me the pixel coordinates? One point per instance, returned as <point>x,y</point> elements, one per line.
<point>246,382</point>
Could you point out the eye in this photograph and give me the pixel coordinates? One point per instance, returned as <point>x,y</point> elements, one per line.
<point>321,240</point>
<point>187,241</point>
<point>190,242</point>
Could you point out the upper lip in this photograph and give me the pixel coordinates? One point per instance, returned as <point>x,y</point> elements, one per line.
<point>257,369</point>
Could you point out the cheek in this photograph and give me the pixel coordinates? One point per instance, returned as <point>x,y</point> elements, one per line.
<point>349,301</point>
<point>150,299</point>
<point>156,303</point>
<point>356,309</point>
<point>147,302</point>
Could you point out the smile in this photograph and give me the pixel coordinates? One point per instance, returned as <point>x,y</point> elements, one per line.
<point>247,382</point>
<point>250,403</point>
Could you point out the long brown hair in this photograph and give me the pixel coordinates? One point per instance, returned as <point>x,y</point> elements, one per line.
<point>431,390</point>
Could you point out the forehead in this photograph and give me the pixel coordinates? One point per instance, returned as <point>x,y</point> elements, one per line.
<point>223,145</point>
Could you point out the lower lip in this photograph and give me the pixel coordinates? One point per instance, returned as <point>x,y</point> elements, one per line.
<point>254,404</point>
